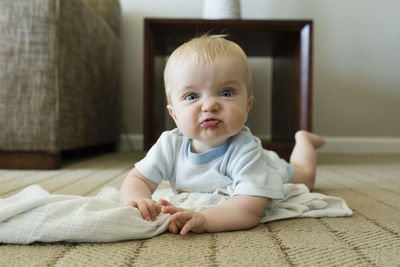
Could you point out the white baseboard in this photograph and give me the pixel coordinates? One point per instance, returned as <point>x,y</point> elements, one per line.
<point>361,145</point>
<point>334,145</point>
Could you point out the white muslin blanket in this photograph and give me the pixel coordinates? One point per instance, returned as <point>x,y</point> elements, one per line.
<point>36,215</point>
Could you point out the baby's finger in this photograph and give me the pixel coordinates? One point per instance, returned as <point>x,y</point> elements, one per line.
<point>132,204</point>
<point>180,224</point>
<point>189,225</point>
<point>183,216</point>
<point>154,209</point>
<point>171,209</point>
<point>176,221</point>
<point>144,210</point>
<point>165,202</point>
<point>173,228</point>
<point>158,208</point>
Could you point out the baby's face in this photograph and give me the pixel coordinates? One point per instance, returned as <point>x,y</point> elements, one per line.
<point>209,103</point>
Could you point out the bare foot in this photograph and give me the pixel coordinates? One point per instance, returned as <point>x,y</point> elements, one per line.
<point>316,140</point>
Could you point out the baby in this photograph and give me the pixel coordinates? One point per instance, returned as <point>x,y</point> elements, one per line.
<point>208,87</point>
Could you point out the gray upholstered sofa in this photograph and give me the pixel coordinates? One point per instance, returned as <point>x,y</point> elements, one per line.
<point>59,79</point>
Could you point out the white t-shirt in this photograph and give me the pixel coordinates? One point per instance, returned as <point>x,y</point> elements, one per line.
<point>240,166</point>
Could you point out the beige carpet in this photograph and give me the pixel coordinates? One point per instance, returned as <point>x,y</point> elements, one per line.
<point>371,237</point>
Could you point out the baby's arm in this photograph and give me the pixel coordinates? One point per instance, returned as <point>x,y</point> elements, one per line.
<point>136,191</point>
<point>238,212</point>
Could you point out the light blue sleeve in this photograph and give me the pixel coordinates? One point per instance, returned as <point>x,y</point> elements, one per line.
<point>250,172</point>
<point>160,160</point>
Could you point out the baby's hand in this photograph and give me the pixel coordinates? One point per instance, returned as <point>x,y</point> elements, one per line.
<point>147,207</point>
<point>186,220</point>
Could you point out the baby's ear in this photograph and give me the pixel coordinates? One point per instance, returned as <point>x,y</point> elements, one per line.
<point>250,103</point>
<point>171,111</point>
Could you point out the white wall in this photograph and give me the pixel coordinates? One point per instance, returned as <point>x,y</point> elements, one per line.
<point>356,71</point>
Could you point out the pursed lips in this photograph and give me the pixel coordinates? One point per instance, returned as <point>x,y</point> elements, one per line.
<point>210,123</point>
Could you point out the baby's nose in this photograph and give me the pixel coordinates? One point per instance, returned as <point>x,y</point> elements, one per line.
<point>210,104</point>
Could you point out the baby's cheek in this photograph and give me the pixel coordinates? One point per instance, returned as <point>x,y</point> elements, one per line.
<point>240,114</point>
<point>238,120</point>
<point>187,126</point>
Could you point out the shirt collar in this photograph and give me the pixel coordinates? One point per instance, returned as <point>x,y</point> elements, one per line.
<point>203,158</point>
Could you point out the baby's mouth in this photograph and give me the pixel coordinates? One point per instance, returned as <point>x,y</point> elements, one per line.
<point>210,123</point>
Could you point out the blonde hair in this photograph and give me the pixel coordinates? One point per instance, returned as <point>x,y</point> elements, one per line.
<point>205,50</point>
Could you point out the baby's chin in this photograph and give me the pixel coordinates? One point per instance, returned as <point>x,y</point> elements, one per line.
<point>217,138</point>
<point>212,137</point>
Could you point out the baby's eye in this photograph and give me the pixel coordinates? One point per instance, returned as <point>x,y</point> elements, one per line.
<point>227,93</point>
<point>191,97</point>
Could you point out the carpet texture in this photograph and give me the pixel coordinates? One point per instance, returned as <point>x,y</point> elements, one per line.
<point>371,237</point>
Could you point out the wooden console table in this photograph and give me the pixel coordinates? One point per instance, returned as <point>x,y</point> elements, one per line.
<point>287,42</point>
